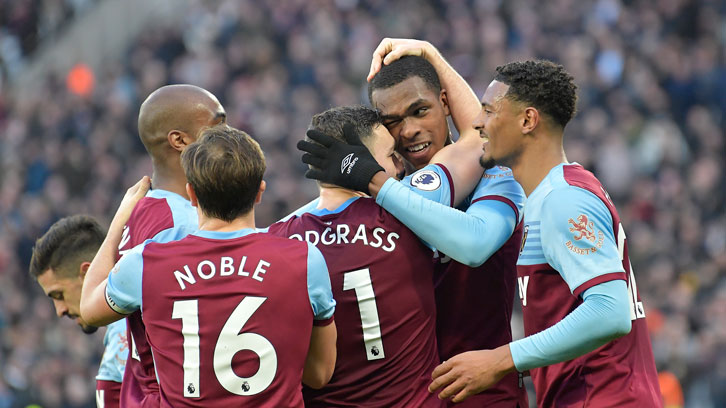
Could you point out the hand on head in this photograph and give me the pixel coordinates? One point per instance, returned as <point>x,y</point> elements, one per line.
<point>349,165</point>
<point>391,49</point>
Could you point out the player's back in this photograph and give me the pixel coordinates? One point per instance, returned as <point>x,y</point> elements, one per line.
<point>381,275</point>
<point>621,372</point>
<point>163,216</point>
<point>229,318</point>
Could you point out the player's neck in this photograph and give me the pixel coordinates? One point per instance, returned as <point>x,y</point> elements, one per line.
<point>333,197</point>
<point>215,224</point>
<point>535,163</point>
<point>174,181</point>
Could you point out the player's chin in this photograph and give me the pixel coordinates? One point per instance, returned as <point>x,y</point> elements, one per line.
<point>88,329</point>
<point>486,161</point>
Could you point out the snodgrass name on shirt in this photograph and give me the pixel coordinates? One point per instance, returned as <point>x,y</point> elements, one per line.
<point>377,238</point>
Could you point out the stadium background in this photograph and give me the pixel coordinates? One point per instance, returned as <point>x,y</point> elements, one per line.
<point>652,89</point>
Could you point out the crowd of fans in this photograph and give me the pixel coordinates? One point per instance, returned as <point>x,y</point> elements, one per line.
<point>25,24</point>
<point>650,124</point>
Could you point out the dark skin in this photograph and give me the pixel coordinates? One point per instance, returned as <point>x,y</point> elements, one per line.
<point>415,115</point>
<point>170,119</point>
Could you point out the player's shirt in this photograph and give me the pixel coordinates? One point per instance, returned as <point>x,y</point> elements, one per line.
<point>228,315</point>
<point>474,304</point>
<point>111,370</point>
<point>573,240</point>
<point>381,275</point>
<point>163,216</point>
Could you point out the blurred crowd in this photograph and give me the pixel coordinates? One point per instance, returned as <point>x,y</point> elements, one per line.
<point>25,24</point>
<point>650,124</point>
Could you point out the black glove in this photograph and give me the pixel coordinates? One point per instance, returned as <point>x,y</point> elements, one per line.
<point>346,165</point>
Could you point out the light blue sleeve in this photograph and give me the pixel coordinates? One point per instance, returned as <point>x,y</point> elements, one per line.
<point>431,182</point>
<point>604,315</point>
<point>469,237</point>
<point>321,295</point>
<point>577,236</point>
<point>123,288</point>
<point>115,352</point>
<point>499,183</point>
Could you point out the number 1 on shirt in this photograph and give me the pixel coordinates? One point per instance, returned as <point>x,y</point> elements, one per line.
<point>360,281</point>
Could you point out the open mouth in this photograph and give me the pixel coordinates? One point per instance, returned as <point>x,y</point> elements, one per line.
<point>418,147</point>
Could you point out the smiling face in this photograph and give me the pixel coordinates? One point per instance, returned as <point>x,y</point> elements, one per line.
<point>415,116</point>
<point>66,295</point>
<point>498,123</point>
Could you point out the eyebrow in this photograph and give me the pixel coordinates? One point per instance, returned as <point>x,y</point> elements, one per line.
<point>413,106</point>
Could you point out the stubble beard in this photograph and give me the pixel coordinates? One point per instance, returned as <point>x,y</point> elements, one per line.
<point>486,162</point>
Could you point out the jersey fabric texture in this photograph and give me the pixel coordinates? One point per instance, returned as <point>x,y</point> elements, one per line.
<point>381,275</point>
<point>163,216</point>
<point>473,303</point>
<point>111,370</point>
<point>228,315</point>
<point>573,240</point>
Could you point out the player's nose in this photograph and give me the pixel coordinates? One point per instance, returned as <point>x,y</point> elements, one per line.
<point>478,123</point>
<point>60,308</point>
<point>409,129</point>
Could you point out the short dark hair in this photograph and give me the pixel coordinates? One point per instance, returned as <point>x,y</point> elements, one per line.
<point>402,69</point>
<point>544,85</point>
<point>225,168</point>
<point>331,121</point>
<point>69,242</point>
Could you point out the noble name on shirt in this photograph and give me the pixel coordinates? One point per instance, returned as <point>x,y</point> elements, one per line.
<point>226,265</point>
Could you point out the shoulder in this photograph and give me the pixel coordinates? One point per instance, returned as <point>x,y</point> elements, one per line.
<point>499,182</point>
<point>564,199</point>
<point>499,177</point>
<point>429,178</point>
<point>497,172</point>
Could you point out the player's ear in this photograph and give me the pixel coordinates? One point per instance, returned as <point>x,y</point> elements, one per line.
<point>191,194</point>
<point>83,269</point>
<point>444,99</point>
<point>178,139</point>
<point>530,119</point>
<point>258,198</point>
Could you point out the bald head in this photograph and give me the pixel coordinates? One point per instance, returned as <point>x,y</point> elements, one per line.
<point>181,111</point>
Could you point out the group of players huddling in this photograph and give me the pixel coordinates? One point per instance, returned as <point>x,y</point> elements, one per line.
<point>395,287</point>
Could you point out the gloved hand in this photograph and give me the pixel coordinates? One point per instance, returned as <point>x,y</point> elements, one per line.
<point>348,165</point>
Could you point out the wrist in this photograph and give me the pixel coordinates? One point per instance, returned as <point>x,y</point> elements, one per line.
<point>505,363</point>
<point>376,183</point>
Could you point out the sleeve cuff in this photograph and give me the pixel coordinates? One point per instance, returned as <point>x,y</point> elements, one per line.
<point>451,183</point>
<point>113,305</point>
<point>516,351</point>
<point>324,322</point>
<point>598,280</point>
<point>387,186</point>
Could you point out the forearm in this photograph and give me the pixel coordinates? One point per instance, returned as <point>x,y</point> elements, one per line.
<point>322,353</point>
<point>603,316</point>
<point>465,237</point>
<point>463,102</point>
<point>95,281</point>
